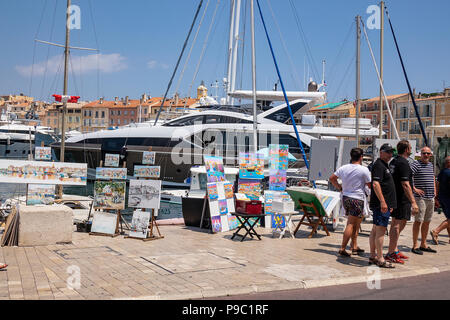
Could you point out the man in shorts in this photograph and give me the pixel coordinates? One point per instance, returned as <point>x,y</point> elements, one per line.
<point>424,191</point>
<point>406,203</point>
<point>354,179</point>
<point>443,191</point>
<point>382,201</point>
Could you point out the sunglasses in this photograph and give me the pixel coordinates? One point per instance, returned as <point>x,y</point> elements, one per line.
<point>426,153</point>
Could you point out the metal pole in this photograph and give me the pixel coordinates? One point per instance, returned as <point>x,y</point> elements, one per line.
<point>66,78</point>
<point>230,52</point>
<point>381,66</point>
<point>235,47</point>
<point>358,76</point>
<point>255,118</point>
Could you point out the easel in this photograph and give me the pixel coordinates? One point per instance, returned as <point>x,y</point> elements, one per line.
<point>205,202</point>
<point>152,224</point>
<point>118,213</point>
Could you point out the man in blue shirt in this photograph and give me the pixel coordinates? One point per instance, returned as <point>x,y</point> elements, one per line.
<point>443,198</point>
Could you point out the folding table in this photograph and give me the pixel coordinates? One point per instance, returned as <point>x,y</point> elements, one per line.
<point>288,223</point>
<point>247,225</point>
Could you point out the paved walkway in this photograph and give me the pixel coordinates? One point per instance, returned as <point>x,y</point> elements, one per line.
<point>190,264</point>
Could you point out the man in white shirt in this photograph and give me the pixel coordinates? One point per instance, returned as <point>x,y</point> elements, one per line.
<point>354,179</point>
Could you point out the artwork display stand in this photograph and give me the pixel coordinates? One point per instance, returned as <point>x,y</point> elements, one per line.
<point>150,233</point>
<point>205,203</point>
<point>119,219</point>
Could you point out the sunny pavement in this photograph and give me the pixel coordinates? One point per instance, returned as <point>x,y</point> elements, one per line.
<point>190,264</point>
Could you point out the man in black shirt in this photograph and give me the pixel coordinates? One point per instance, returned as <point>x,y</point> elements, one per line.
<point>406,203</point>
<point>382,202</point>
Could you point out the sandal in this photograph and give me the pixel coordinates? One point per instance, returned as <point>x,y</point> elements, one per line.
<point>385,264</point>
<point>434,236</point>
<point>3,266</point>
<point>427,250</point>
<point>357,251</point>
<point>372,261</point>
<point>344,253</point>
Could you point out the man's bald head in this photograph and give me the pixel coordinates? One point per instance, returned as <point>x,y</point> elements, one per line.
<point>447,162</point>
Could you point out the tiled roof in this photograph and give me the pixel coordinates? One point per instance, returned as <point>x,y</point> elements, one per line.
<point>328,106</point>
<point>391,97</point>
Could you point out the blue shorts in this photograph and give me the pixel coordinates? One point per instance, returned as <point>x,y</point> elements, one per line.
<point>381,219</point>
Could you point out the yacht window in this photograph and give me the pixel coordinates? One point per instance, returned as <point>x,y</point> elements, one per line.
<point>213,119</point>
<point>189,121</point>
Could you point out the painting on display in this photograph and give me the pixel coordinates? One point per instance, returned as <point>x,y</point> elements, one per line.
<point>145,194</point>
<point>109,195</point>
<point>40,194</point>
<point>272,219</point>
<point>148,157</point>
<point>221,205</point>
<point>214,169</point>
<point>111,173</point>
<point>251,166</point>
<point>139,224</point>
<point>278,156</point>
<point>147,171</point>
<point>251,188</point>
<point>43,153</point>
<point>111,160</point>
<point>38,172</point>
<point>277,180</point>
<point>104,222</point>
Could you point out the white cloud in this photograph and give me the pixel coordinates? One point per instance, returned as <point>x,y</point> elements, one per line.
<point>153,64</point>
<point>106,63</point>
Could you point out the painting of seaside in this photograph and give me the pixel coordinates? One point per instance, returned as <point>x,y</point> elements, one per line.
<point>139,224</point>
<point>148,157</point>
<point>109,195</point>
<point>144,194</point>
<point>37,172</point>
<point>147,172</point>
<point>43,153</point>
<point>40,194</point>
<point>111,160</point>
<point>111,173</point>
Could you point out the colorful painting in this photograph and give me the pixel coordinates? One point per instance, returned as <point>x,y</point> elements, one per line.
<point>144,194</point>
<point>43,153</point>
<point>223,207</point>
<point>109,195</point>
<point>277,180</point>
<point>212,192</point>
<point>139,224</point>
<point>270,219</point>
<point>38,172</point>
<point>232,222</point>
<point>111,160</point>
<point>251,188</point>
<point>147,171</point>
<point>104,222</point>
<point>148,157</point>
<point>228,187</point>
<point>40,194</point>
<point>251,166</point>
<point>214,169</point>
<point>278,156</point>
<point>278,221</point>
<point>216,223</point>
<point>111,173</point>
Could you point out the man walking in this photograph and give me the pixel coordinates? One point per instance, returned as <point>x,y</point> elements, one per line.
<point>354,179</point>
<point>382,202</point>
<point>443,191</point>
<point>424,192</point>
<point>406,203</point>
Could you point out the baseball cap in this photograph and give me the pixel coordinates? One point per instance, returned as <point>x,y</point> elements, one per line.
<point>387,148</point>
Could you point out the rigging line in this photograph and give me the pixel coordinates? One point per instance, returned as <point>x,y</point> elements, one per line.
<point>48,49</point>
<point>296,78</point>
<point>72,70</point>
<point>344,77</point>
<point>416,109</point>
<point>388,108</point>
<point>333,65</point>
<point>192,47</point>
<point>222,45</point>
<point>98,48</point>
<point>178,62</point>
<point>34,47</point>
<point>304,39</point>
<point>247,4</point>
<point>284,91</point>
<point>53,86</point>
<point>205,45</point>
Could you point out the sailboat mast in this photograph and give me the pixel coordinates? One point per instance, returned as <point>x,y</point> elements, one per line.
<point>66,79</point>
<point>381,65</point>
<point>358,76</point>
<point>235,47</point>
<point>255,118</point>
<point>230,52</point>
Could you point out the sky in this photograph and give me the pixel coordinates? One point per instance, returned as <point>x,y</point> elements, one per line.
<point>140,42</point>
